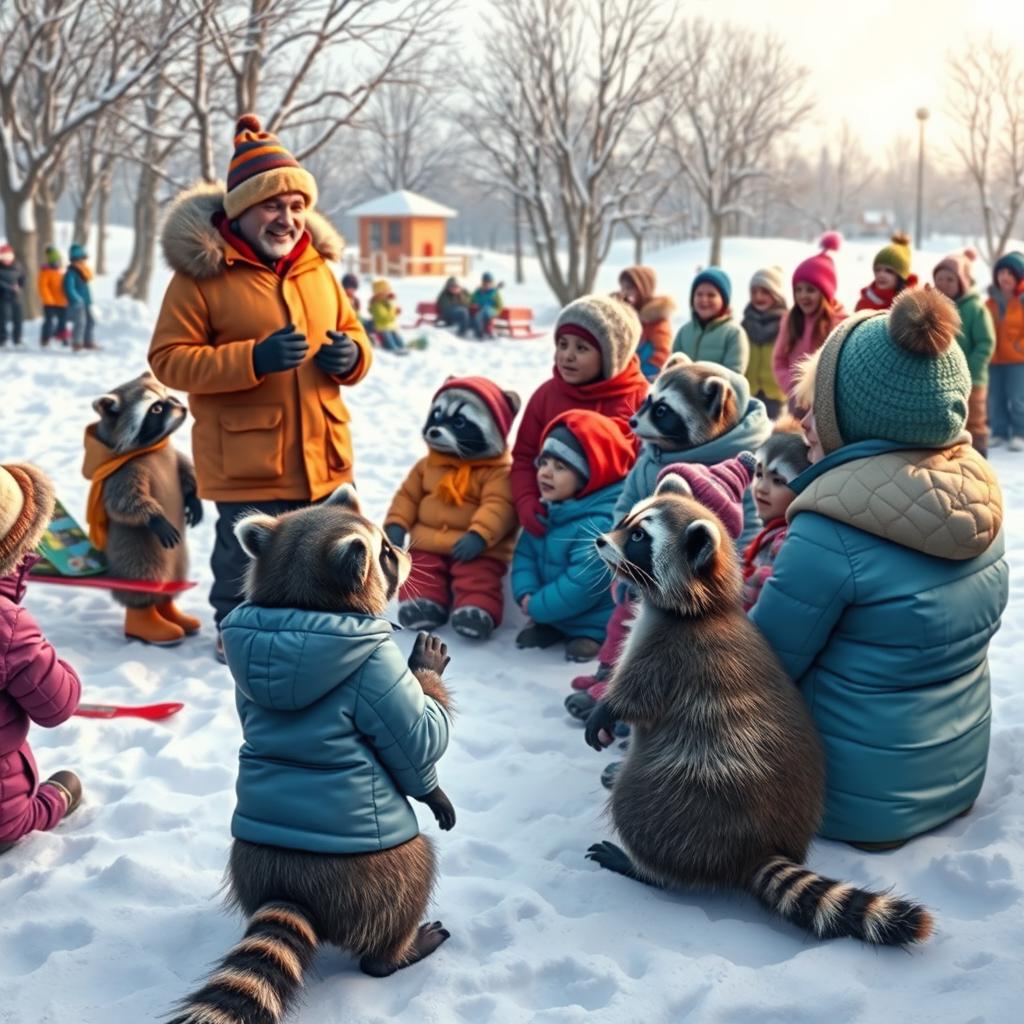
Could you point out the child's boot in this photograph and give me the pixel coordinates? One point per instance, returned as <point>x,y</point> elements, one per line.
<point>582,648</point>
<point>422,613</point>
<point>147,625</point>
<point>169,611</point>
<point>472,622</point>
<point>537,634</point>
<point>602,675</point>
<point>69,786</point>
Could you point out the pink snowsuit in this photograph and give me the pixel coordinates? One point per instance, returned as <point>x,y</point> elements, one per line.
<point>35,685</point>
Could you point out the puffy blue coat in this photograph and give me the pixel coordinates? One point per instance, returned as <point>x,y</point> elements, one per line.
<point>569,584</point>
<point>337,731</point>
<point>76,287</point>
<point>889,646</point>
<point>748,435</point>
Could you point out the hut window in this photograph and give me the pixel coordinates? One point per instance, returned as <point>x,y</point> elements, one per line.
<point>394,232</point>
<point>375,234</point>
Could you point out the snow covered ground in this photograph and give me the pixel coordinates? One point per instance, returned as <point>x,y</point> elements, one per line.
<point>115,915</point>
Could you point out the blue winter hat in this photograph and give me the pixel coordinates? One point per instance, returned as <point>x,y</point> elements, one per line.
<point>350,281</point>
<point>487,278</point>
<point>1013,262</point>
<point>718,279</point>
<point>77,252</point>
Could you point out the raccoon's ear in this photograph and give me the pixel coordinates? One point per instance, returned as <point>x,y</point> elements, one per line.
<point>345,497</point>
<point>348,560</point>
<point>107,405</point>
<point>676,359</point>
<point>254,531</point>
<point>716,392</point>
<point>514,401</point>
<point>673,483</point>
<point>701,541</point>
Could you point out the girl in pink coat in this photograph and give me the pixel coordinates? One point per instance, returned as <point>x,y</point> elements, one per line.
<point>35,685</point>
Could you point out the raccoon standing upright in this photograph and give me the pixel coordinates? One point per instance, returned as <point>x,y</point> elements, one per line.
<point>723,784</point>
<point>143,495</point>
<point>456,508</point>
<point>338,732</point>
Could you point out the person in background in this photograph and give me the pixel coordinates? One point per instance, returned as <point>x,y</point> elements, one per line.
<point>12,284</point>
<point>350,285</point>
<point>892,274</point>
<point>977,336</point>
<point>453,307</point>
<point>79,296</point>
<point>712,335</point>
<point>1006,370</point>
<point>637,287</point>
<point>761,320</point>
<point>51,295</point>
<point>487,304</point>
<point>384,310</point>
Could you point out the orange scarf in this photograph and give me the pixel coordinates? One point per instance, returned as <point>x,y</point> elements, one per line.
<point>454,485</point>
<point>83,268</point>
<point>101,462</point>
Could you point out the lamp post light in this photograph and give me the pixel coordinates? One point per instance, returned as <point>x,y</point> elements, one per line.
<point>922,116</point>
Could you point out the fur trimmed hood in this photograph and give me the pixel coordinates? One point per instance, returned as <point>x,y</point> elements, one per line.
<point>30,487</point>
<point>194,247</point>
<point>660,307</point>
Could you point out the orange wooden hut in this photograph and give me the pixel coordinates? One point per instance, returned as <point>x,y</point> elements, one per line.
<point>404,233</point>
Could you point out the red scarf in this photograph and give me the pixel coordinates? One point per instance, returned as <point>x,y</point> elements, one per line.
<point>281,267</point>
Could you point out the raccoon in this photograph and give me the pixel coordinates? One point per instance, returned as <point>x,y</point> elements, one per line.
<point>460,424</point>
<point>147,499</point>
<point>723,784</point>
<point>312,571</point>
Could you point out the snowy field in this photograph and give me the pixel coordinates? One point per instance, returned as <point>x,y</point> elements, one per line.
<point>115,915</point>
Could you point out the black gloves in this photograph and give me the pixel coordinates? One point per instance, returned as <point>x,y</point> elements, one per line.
<point>283,350</point>
<point>437,800</point>
<point>468,546</point>
<point>166,533</point>
<point>193,510</point>
<point>340,357</point>
<point>395,534</point>
<point>429,654</point>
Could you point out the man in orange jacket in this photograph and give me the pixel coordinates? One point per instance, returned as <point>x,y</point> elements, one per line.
<point>256,329</point>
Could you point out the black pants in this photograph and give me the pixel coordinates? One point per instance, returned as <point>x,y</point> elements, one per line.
<point>10,310</point>
<point>54,318</point>
<point>228,560</point>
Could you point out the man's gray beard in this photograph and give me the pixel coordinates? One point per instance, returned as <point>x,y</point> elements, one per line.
<point>267,255</point>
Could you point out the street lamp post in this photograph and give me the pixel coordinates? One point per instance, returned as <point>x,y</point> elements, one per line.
<point>922,116</point>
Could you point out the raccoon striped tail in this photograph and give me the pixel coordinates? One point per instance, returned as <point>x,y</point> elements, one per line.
<point>831,909</point>
<point>257,981</point>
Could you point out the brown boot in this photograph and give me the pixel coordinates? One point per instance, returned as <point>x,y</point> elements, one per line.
<point>189,623</point>
<point>69,786</point>
<point>147,625</point>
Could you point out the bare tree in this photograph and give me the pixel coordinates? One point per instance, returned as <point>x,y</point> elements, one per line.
<point>987,83</point>
<point>556,112</point>
<point>740,94</point>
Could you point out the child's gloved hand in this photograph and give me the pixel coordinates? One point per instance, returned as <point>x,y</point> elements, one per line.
<point>468,546</point>
<point>338,358</point>
<point>165,531</point>
<point>600,720</point>
<point>437,800</point>
<point>429,653</point>
<point>193,509</point>
<point>395,535</point>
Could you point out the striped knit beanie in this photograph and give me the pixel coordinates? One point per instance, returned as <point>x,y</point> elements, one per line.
<point>262,168</point>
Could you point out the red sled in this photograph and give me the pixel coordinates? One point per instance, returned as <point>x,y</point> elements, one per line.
<point>113,583</point>
<point>153,712</point>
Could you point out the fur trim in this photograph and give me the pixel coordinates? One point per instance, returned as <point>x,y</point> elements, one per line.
<point>194,247</point>
<point>35,516</point>
<point>661,307</point>
<point>432,686</point>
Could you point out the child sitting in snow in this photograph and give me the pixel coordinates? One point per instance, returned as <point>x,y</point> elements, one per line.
<point>35,685</point>
<point>556,580</point>
<point>712,335</point>
<point>453,307</point>
<point>637,287</point>
<point>892,275</point>
<point>486,303</point>
<point>761,321</point>
<point>595,368</point>
<point>384,311</point>
<point>781,459</point>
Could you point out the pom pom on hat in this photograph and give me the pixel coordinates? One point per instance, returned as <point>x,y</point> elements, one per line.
<point>831,241</point>
<point>248,123</point>
<point>896,257</point>
<point>819,271</point>
<point>923,322</point>
<point>970,254</point>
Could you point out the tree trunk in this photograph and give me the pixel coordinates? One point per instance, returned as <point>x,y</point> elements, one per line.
<point>82,222</point>
<point>518,227</point>
<point>23,239</point>
<point>135,280</point>
<point>102,209</point>
<point>638,248</point>
<point>717,222</point>
<point>46,229</point>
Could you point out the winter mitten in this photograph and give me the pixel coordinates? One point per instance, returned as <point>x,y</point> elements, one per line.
<point>530,521</point>
<point>421,613</point>
<point>340,357</point>
<point>472,622</point>
<point>538,634</point>
<point>468,547</point>
<point>166,532</point>
<point>395,534</point>
<point>283,350</point>
<point>430,654</point>
<point>581,648</point>
<point>193,510</point>
<point>437,800</point>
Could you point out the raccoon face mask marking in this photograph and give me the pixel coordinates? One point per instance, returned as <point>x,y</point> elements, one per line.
<point>460,424</point>
<point>137,414</point>
<point>688,406</point>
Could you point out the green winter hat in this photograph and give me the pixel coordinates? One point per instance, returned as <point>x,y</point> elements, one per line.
<point>52,254</point>
<point>895,255</point>
<point>894,376</point>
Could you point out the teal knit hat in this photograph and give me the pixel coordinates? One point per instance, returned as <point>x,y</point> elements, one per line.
<point>895,376</point>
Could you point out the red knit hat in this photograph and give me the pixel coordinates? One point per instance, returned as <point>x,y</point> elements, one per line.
<point>719,488</point>
<point>604,444</point>
<point>503,404</point>
<point>261,168</point>
<point>819,270</point>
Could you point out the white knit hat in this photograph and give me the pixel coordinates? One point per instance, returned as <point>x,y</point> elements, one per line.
<point>606,322</point>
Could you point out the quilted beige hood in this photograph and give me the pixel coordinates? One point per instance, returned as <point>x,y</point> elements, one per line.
<point>945,503</point>
<point>194,247</point>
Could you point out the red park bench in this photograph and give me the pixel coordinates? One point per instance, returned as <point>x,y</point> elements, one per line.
<point>514,321</point>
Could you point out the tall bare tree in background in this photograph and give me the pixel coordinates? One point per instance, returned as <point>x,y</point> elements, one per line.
<point>567,115</point>
<point>986,86</point>
<point>740,94</point>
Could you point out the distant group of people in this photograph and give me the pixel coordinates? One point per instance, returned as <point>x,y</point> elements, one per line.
<point>64,292</point>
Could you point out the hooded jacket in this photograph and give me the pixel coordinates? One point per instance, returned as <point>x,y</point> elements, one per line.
<point>883,599</point>
<point>283,436</point>
<point>337,732</point>
<point>1008,318</point>
<point>977,336</point>
<point>720,340</point>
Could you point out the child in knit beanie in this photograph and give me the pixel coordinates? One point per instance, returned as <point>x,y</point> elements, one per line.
<point>384,310</point>
<point>637,287</point>
<point>892,274</point>
<point>761,319</point>
<point>977,336</point>
<point>1006,370</point>
<point>556,581</point>
<point>781,459</point>
<point>595,368</point>
<point>815,313</point>
<point>712,335</point>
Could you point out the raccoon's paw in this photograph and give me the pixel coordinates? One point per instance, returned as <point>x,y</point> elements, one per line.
<point>472,622</point>
<point>427,940</point>
<point>612,858</point>
<point>419,613</point>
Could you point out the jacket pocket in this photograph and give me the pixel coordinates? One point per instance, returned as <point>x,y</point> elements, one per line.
<point>338,441</point>
<point>252,442</point>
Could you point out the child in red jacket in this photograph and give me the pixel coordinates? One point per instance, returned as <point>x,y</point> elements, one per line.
<point>35,685</point>
<point>595,368</point>
<point>892,274</point>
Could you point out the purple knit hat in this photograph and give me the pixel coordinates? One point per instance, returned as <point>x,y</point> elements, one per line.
<point>719,488</point>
